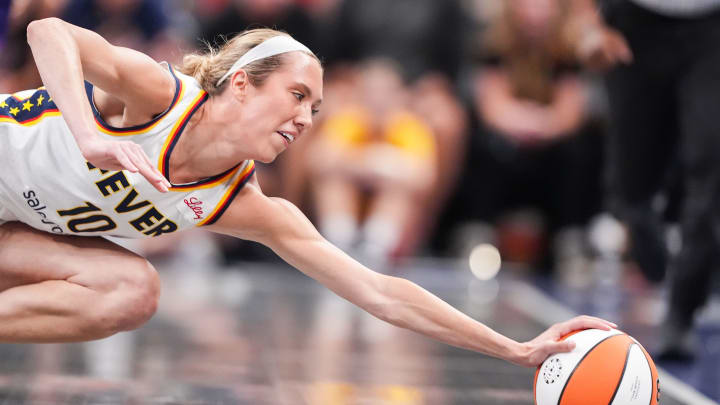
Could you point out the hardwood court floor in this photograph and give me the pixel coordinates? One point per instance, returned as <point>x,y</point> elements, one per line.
<point>265,334</point>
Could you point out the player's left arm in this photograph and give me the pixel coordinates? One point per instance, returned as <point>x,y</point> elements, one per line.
<point>281,226</point>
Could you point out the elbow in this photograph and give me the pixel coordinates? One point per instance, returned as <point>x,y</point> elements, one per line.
<point>38,30</point>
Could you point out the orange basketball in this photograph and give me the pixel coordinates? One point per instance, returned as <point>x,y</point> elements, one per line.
<point>606,367</point>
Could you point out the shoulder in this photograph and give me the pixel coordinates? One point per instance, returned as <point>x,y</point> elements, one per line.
<point>246,208</point>
<point>255,216</point>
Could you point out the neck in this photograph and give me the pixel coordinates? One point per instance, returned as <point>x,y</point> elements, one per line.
<point>206,147</point>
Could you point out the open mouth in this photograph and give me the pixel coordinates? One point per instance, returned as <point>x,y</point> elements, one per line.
<point>289,138</point>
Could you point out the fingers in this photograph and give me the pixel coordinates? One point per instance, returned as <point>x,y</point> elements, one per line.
<point>547,349</point>
<point>125,161</point>
<point>585,322</point>
<point>562,347</point>
<point>124,155</point>
<point>146,169</point>
<point>158,180</point>
<point>549,343</point>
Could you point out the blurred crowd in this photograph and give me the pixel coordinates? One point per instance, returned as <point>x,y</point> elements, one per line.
<point>445,124</point>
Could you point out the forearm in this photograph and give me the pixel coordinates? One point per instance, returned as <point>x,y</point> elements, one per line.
<point>500,114</point>
<point>563,122</point>
<point>409,306</point>
<point>400,302</point>
<point>567,112</point>
<point>58,60</point>
<point>499,109</point>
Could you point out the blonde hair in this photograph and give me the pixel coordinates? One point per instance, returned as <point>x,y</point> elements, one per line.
<point>207,68</point>
<point>530,65</point>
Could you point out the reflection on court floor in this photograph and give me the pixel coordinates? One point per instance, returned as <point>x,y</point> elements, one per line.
<point>261,334</point>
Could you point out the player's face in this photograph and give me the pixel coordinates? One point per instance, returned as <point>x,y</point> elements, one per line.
<point>280,111</point>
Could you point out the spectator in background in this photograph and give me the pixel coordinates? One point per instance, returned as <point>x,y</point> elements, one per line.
<point>422,36</point>
<point>17,68</point>
<point>372,165</point>
<point>427,40</point>
<point>533,144</point>
<point>664,93</point>
<point>139,24</point>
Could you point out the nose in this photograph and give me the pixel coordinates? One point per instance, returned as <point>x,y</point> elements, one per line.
<point>304,121</point>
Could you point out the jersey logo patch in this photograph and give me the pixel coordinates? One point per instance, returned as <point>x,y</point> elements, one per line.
<point>196,206</point>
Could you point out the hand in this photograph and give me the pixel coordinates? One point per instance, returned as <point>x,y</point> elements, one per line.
<point>547,343</point>
<point>123,155</point>
<point>601,48</point>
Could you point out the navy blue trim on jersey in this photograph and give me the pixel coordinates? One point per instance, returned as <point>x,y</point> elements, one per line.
<point>230,199</point>
<point>173,143</point>
<point>98,117</point>
<point>199,182</point>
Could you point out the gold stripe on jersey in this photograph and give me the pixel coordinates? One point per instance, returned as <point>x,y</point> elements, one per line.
<point>229,194</point>
<point>179,125</point>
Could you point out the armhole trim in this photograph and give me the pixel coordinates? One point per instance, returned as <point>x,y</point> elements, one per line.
<point>230,194</point>
<point>135,129</point>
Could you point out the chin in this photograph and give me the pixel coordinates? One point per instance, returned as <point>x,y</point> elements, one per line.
<point>266,157</point>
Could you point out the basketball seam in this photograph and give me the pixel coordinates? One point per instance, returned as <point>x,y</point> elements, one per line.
<point>578,365</point>
<point>653,380</point>
<point>622,373</point>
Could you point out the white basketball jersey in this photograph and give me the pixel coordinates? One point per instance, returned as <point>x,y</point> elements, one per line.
<point>46,183</point>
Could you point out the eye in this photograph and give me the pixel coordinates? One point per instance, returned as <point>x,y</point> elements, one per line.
<point>299,96</point>
<point>314,111</point>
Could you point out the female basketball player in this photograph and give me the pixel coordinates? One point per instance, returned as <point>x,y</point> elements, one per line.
<point>146,150</point>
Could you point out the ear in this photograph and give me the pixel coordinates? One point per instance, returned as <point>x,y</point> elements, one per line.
<point>239,82</point>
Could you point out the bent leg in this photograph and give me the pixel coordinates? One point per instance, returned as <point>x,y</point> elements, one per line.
<point>67,288</point>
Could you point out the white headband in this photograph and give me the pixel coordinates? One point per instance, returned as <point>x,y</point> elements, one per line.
<point>270,47</point>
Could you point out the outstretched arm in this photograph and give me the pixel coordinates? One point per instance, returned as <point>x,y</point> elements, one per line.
<point>281,226</point>
<point>66,55</point>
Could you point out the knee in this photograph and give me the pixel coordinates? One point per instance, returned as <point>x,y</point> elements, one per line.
<point>131,302</point>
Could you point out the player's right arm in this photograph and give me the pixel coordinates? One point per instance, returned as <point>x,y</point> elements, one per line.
<point>278,224</point>
<point>66,55</point>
